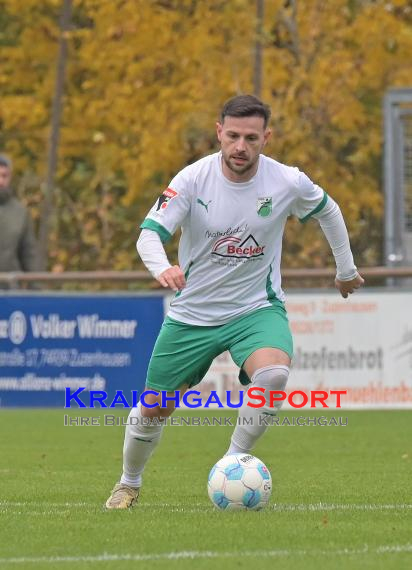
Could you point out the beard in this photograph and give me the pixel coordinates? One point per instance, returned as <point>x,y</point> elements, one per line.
<point>5,195</point>
<point>239,169</point>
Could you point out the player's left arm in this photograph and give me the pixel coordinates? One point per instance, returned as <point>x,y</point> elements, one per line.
<point>312,202</point>
<point>333,226</point>
<point>347,287</point>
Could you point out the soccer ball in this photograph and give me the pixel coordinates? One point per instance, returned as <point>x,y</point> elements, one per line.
<point>239,482</point>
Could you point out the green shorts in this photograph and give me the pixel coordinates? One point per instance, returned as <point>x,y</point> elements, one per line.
<point>183,353</point>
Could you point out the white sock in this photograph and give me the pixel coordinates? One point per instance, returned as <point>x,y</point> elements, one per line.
<point>141,437</point>
<point>245,436</point>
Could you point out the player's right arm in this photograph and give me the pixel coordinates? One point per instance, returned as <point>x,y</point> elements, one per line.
<point>150,248</point>
<point>173,278</point>
<point>166,215</point>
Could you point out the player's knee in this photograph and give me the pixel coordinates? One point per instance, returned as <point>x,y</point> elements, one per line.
<point>159,406</point>
<point>271,378</point>
<point>143,427</point>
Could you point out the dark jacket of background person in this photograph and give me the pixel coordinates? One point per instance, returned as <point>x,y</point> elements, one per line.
<point>18,247</point>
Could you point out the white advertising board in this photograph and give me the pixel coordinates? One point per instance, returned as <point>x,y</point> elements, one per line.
<point>362,345</point>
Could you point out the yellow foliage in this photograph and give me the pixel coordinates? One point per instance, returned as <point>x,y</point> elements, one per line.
<point>146,80</point>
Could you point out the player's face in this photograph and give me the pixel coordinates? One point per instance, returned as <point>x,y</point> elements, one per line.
<point>242,140</point>
<point>5,177</point>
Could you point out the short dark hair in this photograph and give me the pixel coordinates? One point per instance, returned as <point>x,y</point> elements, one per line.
<point>245,106</point>
<point>5,162</point>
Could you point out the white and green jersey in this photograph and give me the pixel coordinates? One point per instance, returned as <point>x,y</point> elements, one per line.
<point>231,243</point>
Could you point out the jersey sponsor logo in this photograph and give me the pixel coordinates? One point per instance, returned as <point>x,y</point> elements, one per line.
<point>264,207</point>
<point>165,198</point>
<point>227,232</point>
<point>236,249</point>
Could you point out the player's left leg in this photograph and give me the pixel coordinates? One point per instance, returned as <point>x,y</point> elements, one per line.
<point>268,347</point>
<point>268,369</point>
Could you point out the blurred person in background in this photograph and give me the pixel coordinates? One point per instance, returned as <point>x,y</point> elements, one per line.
<point>18,246</point>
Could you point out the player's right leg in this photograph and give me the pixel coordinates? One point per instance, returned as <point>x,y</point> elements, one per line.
<point>181,357</point>
<point>143,432</point>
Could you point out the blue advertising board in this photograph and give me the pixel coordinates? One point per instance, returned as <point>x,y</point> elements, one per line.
<point>51,342</point>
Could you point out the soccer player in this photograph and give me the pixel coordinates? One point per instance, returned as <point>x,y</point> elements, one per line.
<point>232,207</point>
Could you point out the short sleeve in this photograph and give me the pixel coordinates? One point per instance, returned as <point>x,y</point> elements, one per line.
<point>171,208</point>
<point>310,198</point>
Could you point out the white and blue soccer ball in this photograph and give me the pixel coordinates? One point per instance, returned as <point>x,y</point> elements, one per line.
<point>239,482</point>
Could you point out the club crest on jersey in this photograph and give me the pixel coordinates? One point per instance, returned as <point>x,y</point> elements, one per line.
<point>165,198</point>
<point>264,207</point>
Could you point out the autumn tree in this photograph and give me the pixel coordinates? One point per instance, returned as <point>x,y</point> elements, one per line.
<point>145,83</point>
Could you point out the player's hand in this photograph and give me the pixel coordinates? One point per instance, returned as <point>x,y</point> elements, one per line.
<point>348,287</point>
<point>173,278</point>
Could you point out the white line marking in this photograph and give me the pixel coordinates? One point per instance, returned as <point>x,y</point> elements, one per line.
<point>340,507</point>
<point>34,513</point>
<point>40,504</point>
<point>8,506</point>
<point>106,557</point>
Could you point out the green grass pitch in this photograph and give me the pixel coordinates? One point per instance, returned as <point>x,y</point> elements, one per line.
<point>341,497</point>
